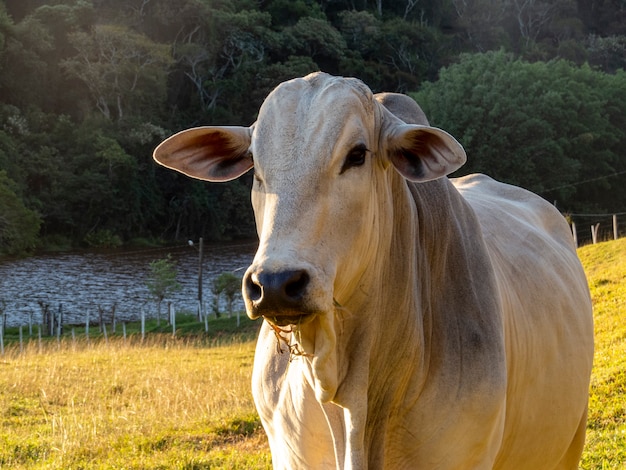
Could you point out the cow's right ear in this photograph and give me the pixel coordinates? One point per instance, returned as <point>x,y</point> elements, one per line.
<point>208,153</point>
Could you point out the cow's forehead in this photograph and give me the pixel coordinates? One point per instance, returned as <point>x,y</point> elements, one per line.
<point>317,88</point>
<point>314,110</point>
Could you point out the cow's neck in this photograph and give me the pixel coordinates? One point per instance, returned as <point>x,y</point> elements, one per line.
<point>390,311</point>
<point>395,315</point>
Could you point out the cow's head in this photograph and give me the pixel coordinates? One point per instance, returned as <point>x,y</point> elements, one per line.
<point>322,149</point>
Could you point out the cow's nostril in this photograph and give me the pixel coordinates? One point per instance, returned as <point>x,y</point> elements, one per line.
<point>253,289</point>
<point>296,285</point>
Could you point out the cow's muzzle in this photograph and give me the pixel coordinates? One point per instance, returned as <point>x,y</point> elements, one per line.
<point>278,296</point>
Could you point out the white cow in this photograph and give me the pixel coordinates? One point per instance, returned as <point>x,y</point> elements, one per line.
<point>410,321</point>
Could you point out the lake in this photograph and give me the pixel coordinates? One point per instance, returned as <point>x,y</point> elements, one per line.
<point>80,282</point>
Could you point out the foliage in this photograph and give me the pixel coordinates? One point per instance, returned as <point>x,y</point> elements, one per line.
<point>90,88</point>
<point>228,284</point>
<point>543,126</point>
<point>102,239</point>
<point>119,67</point>
<point>19,226</point>
<point>162,280</point>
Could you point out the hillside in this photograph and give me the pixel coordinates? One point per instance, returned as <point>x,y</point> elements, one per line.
<point>605,264</point>
<point>89,88</point>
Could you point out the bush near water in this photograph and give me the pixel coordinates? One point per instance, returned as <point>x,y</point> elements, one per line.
<point>184,402</point>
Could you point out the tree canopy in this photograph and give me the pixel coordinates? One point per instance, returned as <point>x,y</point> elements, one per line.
<point>88,88</point>
<point>545,126</point>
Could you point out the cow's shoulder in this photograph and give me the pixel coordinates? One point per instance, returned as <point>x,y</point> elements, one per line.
<point>513,213</point>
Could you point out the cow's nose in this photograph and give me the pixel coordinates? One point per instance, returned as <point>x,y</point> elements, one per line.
<point>276,291</point>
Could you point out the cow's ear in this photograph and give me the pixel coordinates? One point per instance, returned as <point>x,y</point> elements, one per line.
<point>208,153</point>
<point>423,153</point>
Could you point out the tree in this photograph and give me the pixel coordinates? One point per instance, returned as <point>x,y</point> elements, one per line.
<point>482,22</point>
<point>532,16</point>
<point>89,88</point>
<point>162,281</point>
<point>543,126</point>
<point>218,51</point>
<point>19,226</point>
<point>361,31</point>
<point>315,38</point>
<point>34,47</point>
<point>121,68</point>
<point>77,176</point>
<point>289,12</point>
<point>406,51</point>
<point>609,53</point>
<point>229,285</point>
<point>26,45</point>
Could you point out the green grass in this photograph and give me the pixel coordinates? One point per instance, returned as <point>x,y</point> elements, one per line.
<point>184,402</point>
<point>166,402</point>
<point>187,327</point>
<point>605,264</point>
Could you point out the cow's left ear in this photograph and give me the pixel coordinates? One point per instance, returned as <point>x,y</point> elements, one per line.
<point>208,153</point>
<point>423,153</point>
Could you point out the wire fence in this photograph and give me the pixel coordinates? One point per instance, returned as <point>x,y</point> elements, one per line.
<point>595,228</point>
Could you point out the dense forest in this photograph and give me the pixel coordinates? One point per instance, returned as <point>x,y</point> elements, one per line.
<point>534,90</point>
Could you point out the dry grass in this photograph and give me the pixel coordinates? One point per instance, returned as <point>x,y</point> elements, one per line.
<point>113,405</point>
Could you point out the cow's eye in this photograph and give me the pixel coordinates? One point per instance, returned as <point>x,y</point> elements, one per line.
<point>355,157</point>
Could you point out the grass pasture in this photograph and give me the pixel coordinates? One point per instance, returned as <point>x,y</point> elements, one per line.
<point>185,402</point>
<point>165,403</point>
<point>605,264</point>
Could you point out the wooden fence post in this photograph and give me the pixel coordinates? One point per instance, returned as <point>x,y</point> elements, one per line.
<point>594,233</point>
<point>87,325</point>
<point>575,235</point>
<point>200,257</point>
<point>100,317</point>
<point>614,226</point>
<point>172,314</point>
<point>50,321</point>
<point>143,323</point>
<point>2,324</point>
<point>59,320</point>
<point>113,317</point>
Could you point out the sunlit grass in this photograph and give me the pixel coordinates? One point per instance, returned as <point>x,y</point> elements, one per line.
<point>163,403</point>
<point>605,264</point>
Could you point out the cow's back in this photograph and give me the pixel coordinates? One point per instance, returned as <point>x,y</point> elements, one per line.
<point>548,323</point>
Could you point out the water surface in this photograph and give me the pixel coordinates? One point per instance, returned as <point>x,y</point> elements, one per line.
<point>80,282</point>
